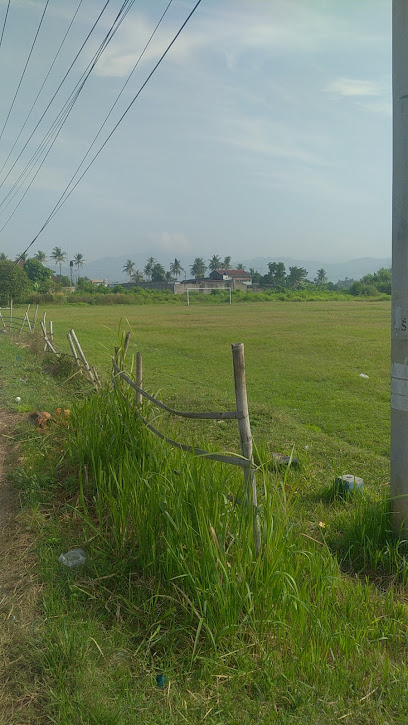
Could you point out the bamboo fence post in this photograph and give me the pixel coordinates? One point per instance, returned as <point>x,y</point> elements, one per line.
<point>74,352</point>
<point>96,376</point>
<point>83,358</point>
<point>246,436</point>
<point>28,319</point>
<point>47,342</point>
<point>2,320</point>
<point>35,318</point>
<point>24,320</point>
<point>51,331</point>
<point>11,312</point>
<point>44,329</point>
<point>139,377</point>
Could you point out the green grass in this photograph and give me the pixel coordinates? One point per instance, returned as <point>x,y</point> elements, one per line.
<point>172,584</point>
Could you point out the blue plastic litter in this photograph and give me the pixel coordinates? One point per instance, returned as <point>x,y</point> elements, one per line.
<point>161,681</point>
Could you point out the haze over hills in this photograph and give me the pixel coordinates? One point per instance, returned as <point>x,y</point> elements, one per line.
<point>111,268</point>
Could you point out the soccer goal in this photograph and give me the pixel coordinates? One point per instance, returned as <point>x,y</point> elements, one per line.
<point>201,289</point>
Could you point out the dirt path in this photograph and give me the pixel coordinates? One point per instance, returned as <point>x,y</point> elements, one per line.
<point>18,595</point>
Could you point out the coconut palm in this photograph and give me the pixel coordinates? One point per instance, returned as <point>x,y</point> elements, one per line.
<point>241,267</point>
<point>321,277</point>
<point>41,256</point>
<point>214,263</point>
<point>137,276</point>
<point>23,257</point>
<point>226,263</point>
<point>59,257</point>
<point>198,267</point>
<point>78,262</point>
<point>129,268</point>
<point>176,269</point>
<point>149,267</point>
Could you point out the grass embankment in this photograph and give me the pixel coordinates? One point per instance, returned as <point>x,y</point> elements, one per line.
<point>171,585</point>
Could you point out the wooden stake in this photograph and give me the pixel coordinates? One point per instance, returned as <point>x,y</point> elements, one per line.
<point>139,377</point>
<point>35,317</point>
<point>74,352</point>
<point>246,436</point>
<point>83,358</point>
<point>51,331</point>
<point>11,311</point>
<point>47,341</point>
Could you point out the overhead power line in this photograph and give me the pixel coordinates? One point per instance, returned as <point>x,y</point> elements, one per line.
<point>4,23</point>
<point>65,196</point>
<point>57,90</point>
<point>57,125</point>
<point>25,67</point>
<point>43,84</point>
<point>119,94</point>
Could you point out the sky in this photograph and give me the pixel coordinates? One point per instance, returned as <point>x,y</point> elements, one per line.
<point>266,130</point>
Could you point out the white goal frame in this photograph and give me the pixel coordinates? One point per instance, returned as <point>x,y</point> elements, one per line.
<point>198,289</point>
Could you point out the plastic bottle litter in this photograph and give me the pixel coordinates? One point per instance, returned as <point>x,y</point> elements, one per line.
<point>18,399</point>
<point>363,375</point>
<point>73,559</point>
<point>161,681</point>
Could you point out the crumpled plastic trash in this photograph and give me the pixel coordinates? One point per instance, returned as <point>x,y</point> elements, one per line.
<point>73,559</point>
<point>362,375</point>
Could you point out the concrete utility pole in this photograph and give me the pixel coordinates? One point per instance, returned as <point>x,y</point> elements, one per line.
<point>399,324</point>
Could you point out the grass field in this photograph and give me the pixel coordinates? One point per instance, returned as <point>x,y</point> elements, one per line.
<point>297,638</point>
<point>303,370</point>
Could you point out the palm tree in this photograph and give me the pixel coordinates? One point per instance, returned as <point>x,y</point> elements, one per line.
<point>214,263</point>
<point>176,269</point>
<point>227,263</point>
<point>241,267</point>
<point>149,267</point>
<point>321,277</point>
<point>198,267</point>
<point>3,256</point>
<point>22,257</point>
<point>78,262</point>
<point>41,256</point>
<point>129,268</point>
<point>59,257</point>
<point>137,276</point>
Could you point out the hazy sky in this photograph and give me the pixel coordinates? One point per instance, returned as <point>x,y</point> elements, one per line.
<point>266,130</point>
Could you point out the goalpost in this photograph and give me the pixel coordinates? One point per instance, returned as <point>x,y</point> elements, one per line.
<point>199,289</point>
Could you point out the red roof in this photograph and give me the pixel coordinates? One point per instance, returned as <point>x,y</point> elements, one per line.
<point>234,272</point>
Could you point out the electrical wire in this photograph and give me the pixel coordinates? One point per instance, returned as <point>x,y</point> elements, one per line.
<point>43,84</point>
<point>57,91</point>
<point>62,117</point>
<point>65,196</point>
<point>58,123</point>
<point>25,67</point>
<point>101,127</point>
<point>4,23</point>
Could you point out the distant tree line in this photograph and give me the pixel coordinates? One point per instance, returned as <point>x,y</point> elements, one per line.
<point>33,275</point>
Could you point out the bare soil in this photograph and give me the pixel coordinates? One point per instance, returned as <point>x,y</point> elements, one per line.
<point>19,589</point>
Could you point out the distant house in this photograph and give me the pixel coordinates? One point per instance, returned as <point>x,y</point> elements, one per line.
<point>99,282</point>
<point>237,275</point>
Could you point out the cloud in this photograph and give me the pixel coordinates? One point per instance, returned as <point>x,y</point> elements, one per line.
<point>226,35</point>
<point>355,87</point>
<point>264,138</point>
<point>170,241</point>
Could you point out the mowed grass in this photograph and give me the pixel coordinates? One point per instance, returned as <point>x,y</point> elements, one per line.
<point>303,363</point>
